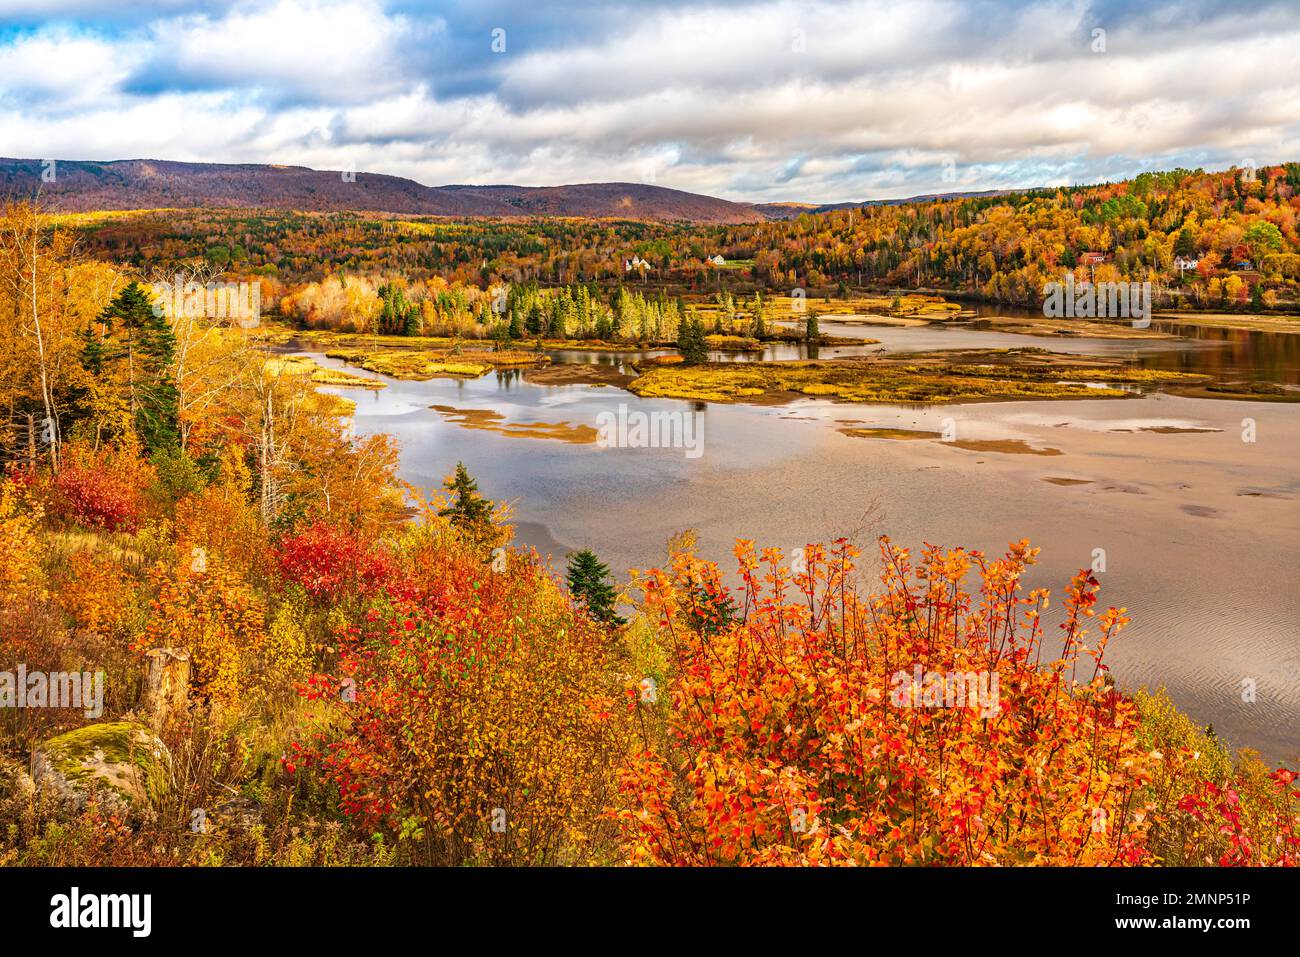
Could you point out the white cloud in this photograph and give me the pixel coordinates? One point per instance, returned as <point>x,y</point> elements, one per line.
<point>62,69</point>
<point>709,97</point>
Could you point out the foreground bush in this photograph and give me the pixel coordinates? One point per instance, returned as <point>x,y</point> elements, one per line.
<point>474,715</point>
<point>100,489</point>
<point>799,735</point>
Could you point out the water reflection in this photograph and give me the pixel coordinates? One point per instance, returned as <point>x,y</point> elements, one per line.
<point>1227,355</point>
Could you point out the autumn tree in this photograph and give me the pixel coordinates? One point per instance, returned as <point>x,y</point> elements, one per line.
<point>36,345</point>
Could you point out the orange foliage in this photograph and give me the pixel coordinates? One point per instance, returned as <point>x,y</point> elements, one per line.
<point>97,592</point>
<point>800,738</point>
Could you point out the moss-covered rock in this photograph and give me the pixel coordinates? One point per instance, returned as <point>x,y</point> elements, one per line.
<point>124,766</point>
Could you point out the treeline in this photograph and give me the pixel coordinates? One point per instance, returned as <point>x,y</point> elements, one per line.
<point>299,248</point>
<point>502,312</point>
<point>1238,230</point>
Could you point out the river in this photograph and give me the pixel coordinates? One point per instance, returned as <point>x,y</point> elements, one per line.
<point>1193,501</point>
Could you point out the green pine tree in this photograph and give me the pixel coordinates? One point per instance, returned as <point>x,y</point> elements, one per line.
<point>586,578</point>
<point>690,341</point>
<point>467,510</point>
<point>758,328</point>
<point>149,351</point>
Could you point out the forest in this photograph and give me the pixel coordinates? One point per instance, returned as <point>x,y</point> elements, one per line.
<point>1219,240</point>
<point>307,661</point>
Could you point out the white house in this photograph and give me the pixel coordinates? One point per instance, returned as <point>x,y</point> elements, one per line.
<point>1180,263</point>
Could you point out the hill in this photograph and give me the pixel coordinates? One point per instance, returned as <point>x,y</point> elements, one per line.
<point>147,184</point>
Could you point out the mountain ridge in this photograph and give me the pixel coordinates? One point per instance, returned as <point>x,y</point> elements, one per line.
<point>86,186</point>
<point>91,185</point>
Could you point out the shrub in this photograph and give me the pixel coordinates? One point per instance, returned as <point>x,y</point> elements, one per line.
<point>799,738</point>
<point>101,490</point>
<point>20,572</point>
<point>331,563</point>
<point>483,727</point>
<point>217,617</point>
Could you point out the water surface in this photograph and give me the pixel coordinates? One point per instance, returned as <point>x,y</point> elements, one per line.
<point>1200,529</point>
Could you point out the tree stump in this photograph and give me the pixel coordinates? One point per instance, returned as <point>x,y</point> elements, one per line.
<point>167,684</point>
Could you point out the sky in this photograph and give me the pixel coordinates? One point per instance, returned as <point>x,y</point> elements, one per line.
<point>765,100</point>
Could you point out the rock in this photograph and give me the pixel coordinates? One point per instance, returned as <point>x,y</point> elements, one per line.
<point>123,765</point>
<point>167,684</point>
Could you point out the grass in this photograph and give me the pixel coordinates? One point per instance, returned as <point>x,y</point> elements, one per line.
<point>913,305</point>
<point>431,364</point>
<point>322,403</point>
<point>717,343</point>
<point>886,381</point>
<point>306,365</point>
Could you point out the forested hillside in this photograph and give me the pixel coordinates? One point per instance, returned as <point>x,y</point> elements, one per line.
<point>1204,240</point>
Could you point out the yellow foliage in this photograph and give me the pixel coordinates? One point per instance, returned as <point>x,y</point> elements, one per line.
<point>20,571</point>
<point>217,617</point>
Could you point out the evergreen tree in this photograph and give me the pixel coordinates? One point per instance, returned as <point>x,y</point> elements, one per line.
<point>149,350</point>
<point>586,579</point>
<point>812,328</point>
<point>398,316</point>
<point>467,510</point>
<point>690,341</point>
<point>95,353</point>
<point>759,328</point>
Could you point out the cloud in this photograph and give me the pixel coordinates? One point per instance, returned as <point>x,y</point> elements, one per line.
<point>760,99</point>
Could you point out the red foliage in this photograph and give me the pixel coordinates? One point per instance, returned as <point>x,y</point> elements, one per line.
<point>98,494</point>
<point>477,692</point>
<point>331,563</point>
